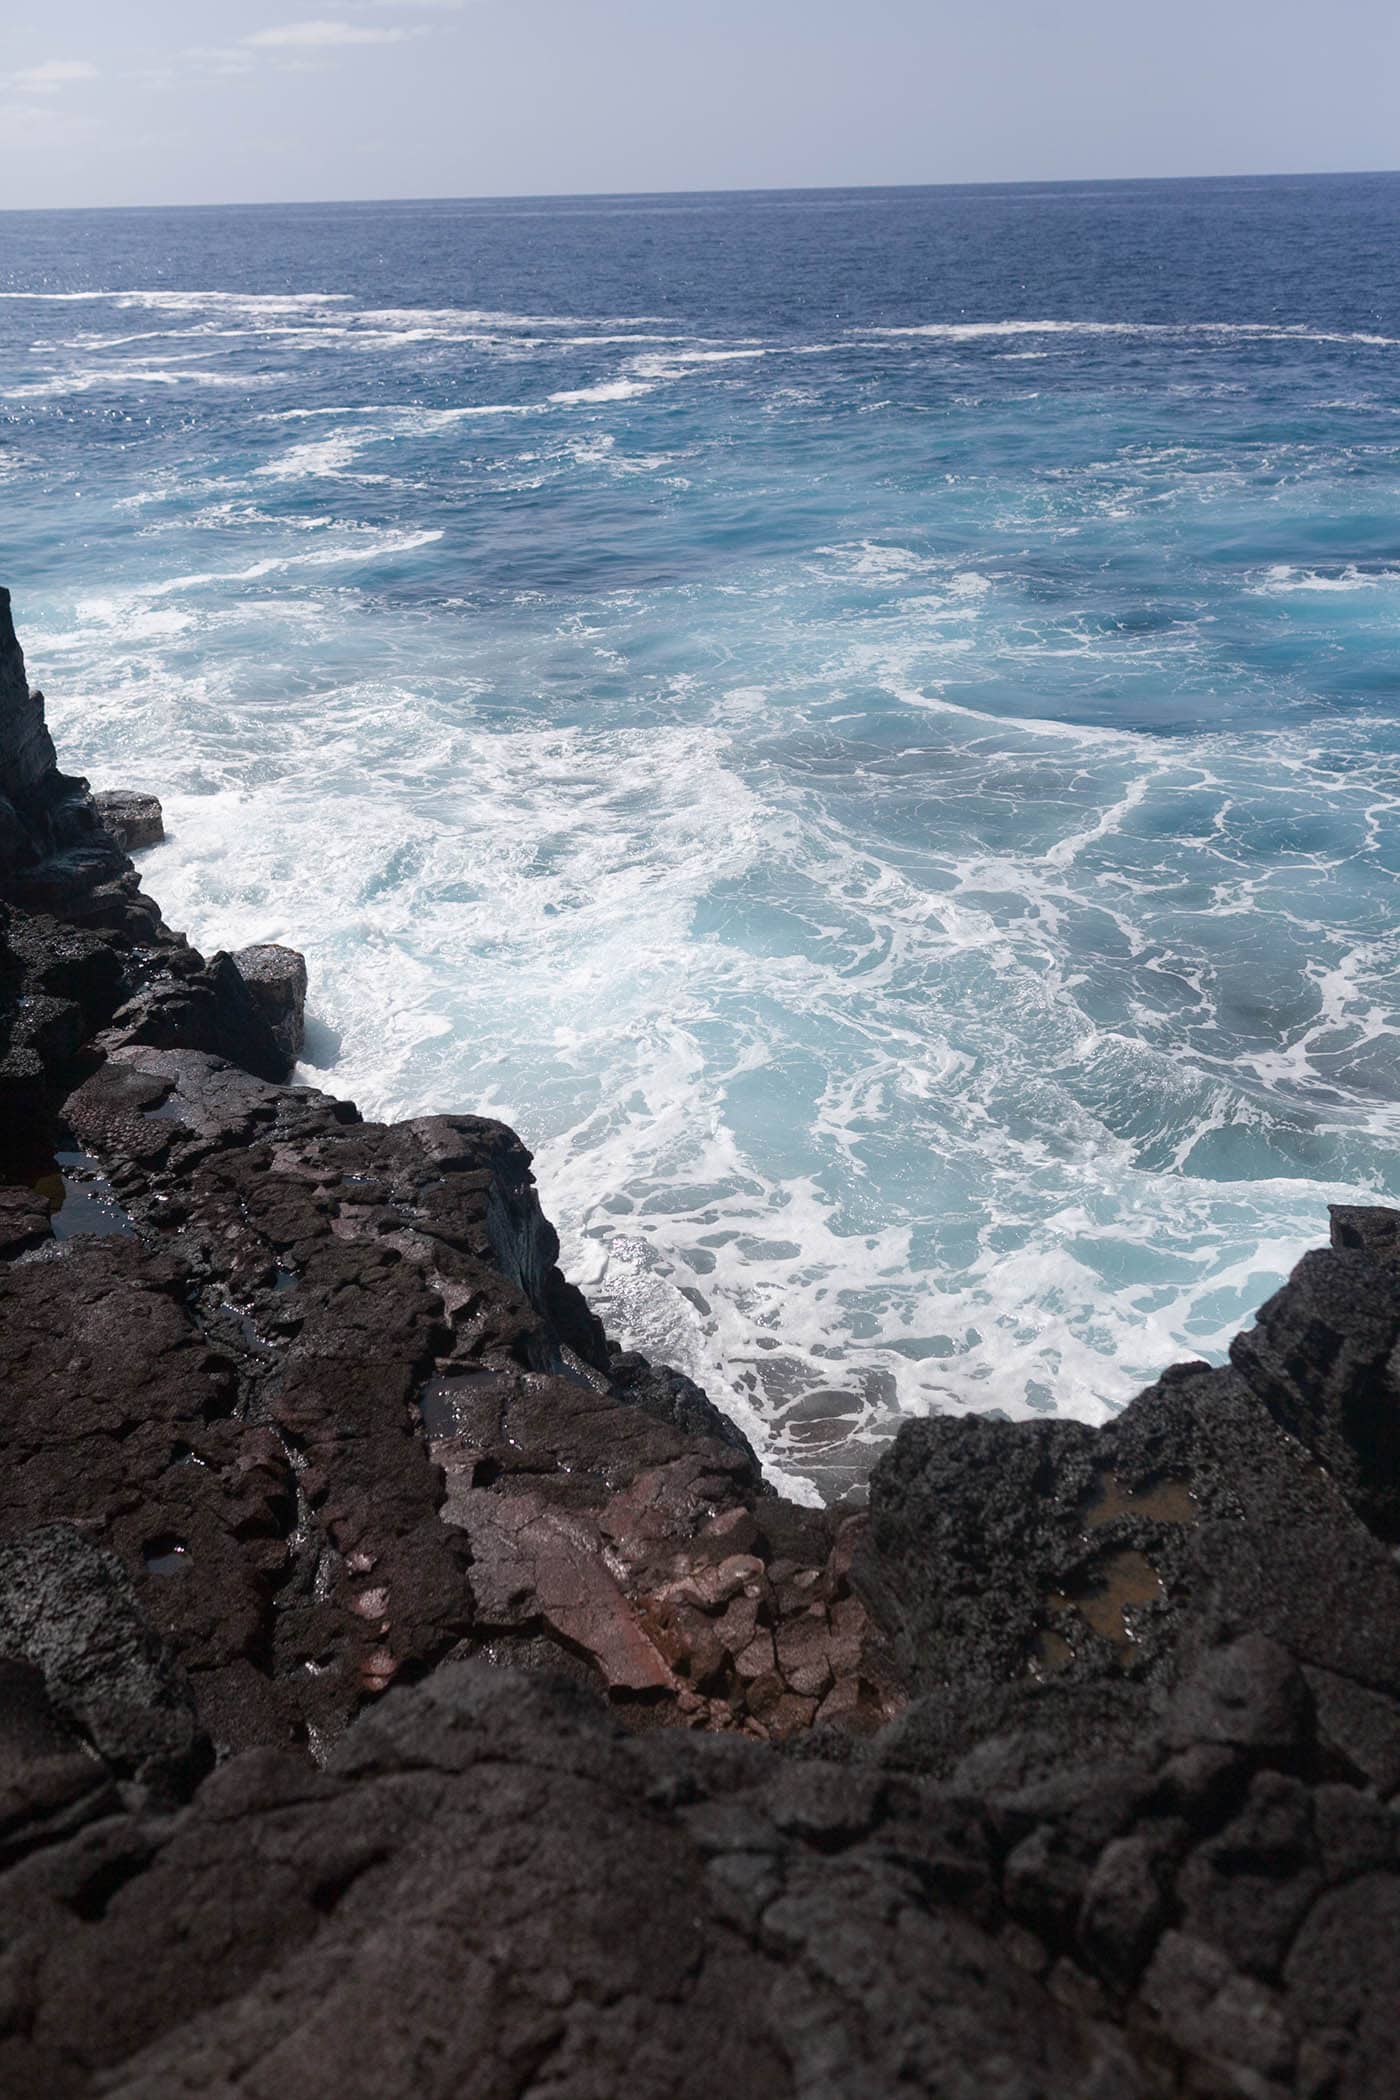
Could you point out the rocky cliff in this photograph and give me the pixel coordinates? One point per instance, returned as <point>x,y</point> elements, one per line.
<point>405,1692</point>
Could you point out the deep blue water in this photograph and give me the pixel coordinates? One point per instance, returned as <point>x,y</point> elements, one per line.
<point>864,722</point>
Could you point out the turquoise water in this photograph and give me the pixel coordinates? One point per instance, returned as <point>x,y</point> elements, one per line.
<point>864,723</point>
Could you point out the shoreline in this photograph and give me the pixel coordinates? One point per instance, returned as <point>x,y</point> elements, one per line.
<point>1069,1767</point>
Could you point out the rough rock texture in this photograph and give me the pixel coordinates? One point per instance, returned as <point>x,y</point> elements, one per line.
<point>133,820</point>
<point>338,1363</point>
<point>491,1893</point>
<point>1056,1552</point>
<point>86,962</point>
<point>403,1692</point>
<point>71,1613</point>
<point>276,977</point>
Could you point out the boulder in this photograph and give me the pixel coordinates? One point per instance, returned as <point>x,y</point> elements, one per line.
<point>132,819</point>
<point>201,1006</point>
<point>276,977</point>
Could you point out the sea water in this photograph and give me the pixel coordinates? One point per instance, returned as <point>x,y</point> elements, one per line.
<point>863,723</point>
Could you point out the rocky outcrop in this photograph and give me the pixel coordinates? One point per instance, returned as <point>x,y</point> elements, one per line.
<point>404,1692</point>
<point>42,811</point>
<point>338,1364</point>
<point>134,820</point>
<point>1062,1554</point>
<point>86,962</point>
<point>276,977</point>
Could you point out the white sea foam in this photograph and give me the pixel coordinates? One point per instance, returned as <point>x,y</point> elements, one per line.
<point>1088,734</point>
<point>116,377</point>
<point>1282,579</point>
<point>650,371</point>
<point>676,361</point>
<point>356,548</point>
<point>1239,331</point>
<point>485,317</point>
<point>1112,818</point>
<point>874,561</point>
<point>331,313</point>
<point>321,458</point>
<point>606,390</point>
<point>596,342</point>
<point>416,418</point>
<point>507,920</point>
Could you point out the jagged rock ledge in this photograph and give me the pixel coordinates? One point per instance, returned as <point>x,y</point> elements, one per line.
<point>403,1692</point>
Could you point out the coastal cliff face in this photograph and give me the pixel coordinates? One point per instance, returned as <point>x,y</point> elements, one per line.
<point>405,1692</point>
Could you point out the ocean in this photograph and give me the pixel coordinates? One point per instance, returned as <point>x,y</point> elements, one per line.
<point>863,722</point>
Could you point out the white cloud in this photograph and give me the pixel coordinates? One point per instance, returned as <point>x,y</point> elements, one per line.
<point>53,74</point>
<point>321,36</point>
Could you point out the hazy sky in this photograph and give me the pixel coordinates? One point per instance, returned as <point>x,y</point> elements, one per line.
<point>163,101</point>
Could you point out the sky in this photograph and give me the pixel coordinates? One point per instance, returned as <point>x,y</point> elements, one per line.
<point>249,101</point>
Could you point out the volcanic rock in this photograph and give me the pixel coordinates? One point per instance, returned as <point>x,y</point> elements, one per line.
<point>276,977</point>
<point>406,1693</point>
<point>133,820</point>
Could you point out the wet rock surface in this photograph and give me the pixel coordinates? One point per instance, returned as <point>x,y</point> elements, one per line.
<point>405,1692</point>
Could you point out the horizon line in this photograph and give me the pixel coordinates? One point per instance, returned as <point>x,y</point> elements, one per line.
<point>1058,182</point>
